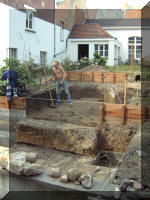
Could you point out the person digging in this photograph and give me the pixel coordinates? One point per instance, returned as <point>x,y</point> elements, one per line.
<point>59,75</point>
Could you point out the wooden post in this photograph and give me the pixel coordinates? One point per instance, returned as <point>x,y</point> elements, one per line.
<point>45,72</point>
<point>7,104</point>
<point>102,78</point>
<point>101,117</point>
<point>123,116</point>
<point>125,89</point>
<point>93,76</point>
<point>68,73</point>
<point>114,78</point>
<point>40,78</point>
<point>82,77</point>
<point>131,58</point>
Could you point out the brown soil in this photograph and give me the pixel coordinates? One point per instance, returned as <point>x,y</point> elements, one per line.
<point>84,112</point>
<point>93,68</point>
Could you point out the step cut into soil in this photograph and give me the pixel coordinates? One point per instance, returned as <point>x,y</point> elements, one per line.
<point>61,136</point>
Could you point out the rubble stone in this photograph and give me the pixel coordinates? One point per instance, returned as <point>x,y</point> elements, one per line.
<point>73,175</point>
<point>87,181</point>
<point>32,169</point>
<point>64,178</point>
<point>31,157</point>
<point>55,172</point>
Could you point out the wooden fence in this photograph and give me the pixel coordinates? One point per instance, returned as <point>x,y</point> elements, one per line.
<point>120,114</point>
<point>98,77</point>
<point>15,103</point>
<point>101,77</point>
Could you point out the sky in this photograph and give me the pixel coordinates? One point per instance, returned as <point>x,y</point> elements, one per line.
<point>114,4</point>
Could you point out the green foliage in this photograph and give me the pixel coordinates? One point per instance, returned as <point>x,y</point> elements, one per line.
<point>24,70</point>
<point>99,60</point>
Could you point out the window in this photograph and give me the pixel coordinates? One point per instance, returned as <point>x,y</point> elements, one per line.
<point>12,53</point>
<point>30,19</point>
<point>43,58</point>
<point>135,46</point>
<point>102,49</point>
<point>61,30</point>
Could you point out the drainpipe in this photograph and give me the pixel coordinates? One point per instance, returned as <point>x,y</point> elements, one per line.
<point>54,29</point>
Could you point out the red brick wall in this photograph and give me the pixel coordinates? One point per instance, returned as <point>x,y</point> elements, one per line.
<point>133,13</point>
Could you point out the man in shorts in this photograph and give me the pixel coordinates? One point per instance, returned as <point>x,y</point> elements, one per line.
<point>59,75</point>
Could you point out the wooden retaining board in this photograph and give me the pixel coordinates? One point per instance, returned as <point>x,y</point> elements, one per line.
<point>122,114</point>
<point>18,103</point>
<point>98,77</point>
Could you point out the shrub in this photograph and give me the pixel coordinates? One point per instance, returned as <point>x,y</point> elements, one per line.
<point>25,75</point>
<point>98,59</point>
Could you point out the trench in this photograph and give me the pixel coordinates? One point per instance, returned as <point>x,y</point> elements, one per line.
<point>114,142</point>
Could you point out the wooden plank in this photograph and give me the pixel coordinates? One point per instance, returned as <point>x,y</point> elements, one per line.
<point>125,90</point>
<point>101,117</point>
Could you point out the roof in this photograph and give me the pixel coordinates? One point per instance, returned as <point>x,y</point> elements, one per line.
<point>92,13</point>
<point>86,31</point>
<point>19,4</point>
<point>110,13</point>
<point>115,22</point>
<point>133,13</point>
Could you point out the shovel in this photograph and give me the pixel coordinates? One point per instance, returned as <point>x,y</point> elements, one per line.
<point>52,105</point>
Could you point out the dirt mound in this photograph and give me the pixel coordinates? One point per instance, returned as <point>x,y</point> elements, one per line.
<point>93,68</point>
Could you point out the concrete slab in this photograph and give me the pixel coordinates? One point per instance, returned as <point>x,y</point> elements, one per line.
<point>12,114</point>
<point>4,139</point>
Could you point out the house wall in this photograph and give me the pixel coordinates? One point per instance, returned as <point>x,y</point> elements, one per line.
<point>25,41</point>
<point>4,32</point>
<point>122,36</point>
<point>72,50</point>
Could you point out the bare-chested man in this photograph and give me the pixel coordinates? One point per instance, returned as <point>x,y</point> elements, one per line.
<point>59,75</point>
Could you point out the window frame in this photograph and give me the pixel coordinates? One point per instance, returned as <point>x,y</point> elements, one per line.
<point>136,44</point>
<point>102,48</point>
<point>45,58</point>
<point>12,53</point>
<point>62,27</point>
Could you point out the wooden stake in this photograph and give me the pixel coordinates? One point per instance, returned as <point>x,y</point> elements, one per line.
<point>93,76</point>
<point>125,89</point>
<point>40,78</point>
<point>123,116</point>
<point>45,72</point>
<point>68,76</point>
<point>82,77</point>
<point>101,117</point>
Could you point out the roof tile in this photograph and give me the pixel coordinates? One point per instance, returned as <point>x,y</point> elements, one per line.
<point>84,31</point>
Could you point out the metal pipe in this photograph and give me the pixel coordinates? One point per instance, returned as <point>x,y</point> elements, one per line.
<point>54,29</point>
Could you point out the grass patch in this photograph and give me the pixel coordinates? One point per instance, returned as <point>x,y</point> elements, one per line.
<point>124,68</point>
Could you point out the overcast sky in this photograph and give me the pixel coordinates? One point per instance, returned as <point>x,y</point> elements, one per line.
<point>114,4</point>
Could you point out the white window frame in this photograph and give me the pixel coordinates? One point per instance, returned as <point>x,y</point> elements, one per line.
<point>134,44</point>
<point>11,53</point>
<point>30,23</point>
<point>102,50</point>
<point>62,30</point>
<point>43,58</point>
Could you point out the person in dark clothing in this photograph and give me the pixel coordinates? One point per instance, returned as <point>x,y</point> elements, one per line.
<point>11,76</point>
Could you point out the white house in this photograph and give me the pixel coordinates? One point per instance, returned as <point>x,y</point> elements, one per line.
<point>127,32</point>
<point>25,35</point>
<point>85,39</point>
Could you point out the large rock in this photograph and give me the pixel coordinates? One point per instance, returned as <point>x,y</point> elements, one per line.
<point>32,169</point>
<point>73,174</point>
<point>61,136</point>
<point>55,172</point>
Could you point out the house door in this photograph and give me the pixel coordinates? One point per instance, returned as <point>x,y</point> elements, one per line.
<point>83,50</point>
